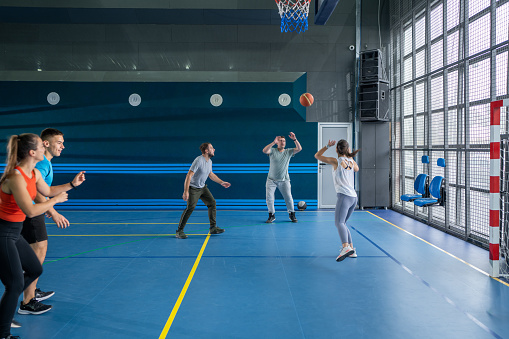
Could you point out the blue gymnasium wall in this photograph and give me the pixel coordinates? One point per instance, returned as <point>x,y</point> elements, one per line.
<point>138,157</point>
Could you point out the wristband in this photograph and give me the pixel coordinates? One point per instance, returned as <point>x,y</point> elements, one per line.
<point>70,183</point>
<point>327,146</point>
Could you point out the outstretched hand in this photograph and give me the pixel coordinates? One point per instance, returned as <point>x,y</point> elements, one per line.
<point>331,143</point>
<point>79,178</point>
<point>60,220</point>
<point>225,184</point>
<point>276,140</point>
<point>292,136</point>
<point>62,197</point>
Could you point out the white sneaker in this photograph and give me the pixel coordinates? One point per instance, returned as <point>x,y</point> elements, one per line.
<point>354,254</point>
<point>345,252</point>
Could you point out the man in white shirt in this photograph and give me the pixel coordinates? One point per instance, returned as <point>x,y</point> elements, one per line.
<point>278,174</point>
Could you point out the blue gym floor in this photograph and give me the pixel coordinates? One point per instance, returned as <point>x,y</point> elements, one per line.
<point>125,275</point>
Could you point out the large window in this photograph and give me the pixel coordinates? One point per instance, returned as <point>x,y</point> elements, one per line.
<point>449,60</point>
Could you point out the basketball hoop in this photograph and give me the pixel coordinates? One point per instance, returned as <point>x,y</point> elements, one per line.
<point>294,15</point>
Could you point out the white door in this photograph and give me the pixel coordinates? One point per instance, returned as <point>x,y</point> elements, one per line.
<point>330,131</point>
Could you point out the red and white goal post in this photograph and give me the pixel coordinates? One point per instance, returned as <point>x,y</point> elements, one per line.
<point>498,218</point>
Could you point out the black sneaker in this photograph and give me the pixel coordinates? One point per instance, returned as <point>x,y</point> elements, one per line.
<point>216,230</point>
<point>272,217</point>
<point>33,307</point>
<point>40,295</point>
<point>180,234</point>
<point>292,217</point>
<point>10,336</point>
<point>15,324</point>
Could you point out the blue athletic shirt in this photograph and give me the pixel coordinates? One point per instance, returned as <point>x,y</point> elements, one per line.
<point>46,169</point>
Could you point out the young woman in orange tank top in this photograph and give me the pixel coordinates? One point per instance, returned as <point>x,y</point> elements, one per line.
<point>19,265</point>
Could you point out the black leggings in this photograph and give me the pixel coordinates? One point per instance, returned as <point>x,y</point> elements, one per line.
<point>16,256</point>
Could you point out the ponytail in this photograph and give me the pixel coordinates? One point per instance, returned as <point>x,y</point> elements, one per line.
<point>342,148</point>
<point>18,149</point>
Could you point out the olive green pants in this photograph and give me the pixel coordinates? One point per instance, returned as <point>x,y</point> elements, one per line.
<point>196,194</point>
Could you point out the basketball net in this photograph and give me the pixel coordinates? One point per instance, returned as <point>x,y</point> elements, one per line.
<point>294,15</point>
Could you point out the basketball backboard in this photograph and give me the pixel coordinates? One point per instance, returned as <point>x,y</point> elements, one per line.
<point>323,10</point>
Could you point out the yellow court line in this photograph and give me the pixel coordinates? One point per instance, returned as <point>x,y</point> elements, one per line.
<point>438,248</point>
<point>166,328</point>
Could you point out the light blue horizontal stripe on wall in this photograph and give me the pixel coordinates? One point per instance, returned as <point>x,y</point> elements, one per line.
<point>310,168</point>
<point>171,204</point>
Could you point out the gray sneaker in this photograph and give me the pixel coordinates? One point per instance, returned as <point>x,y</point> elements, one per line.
<point>216,230</point>
<point>180,234</point>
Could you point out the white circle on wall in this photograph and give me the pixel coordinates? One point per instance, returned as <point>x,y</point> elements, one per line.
<point>53,98</point>
<point>284,99</point>
<point>216,100</point>
<point>134,99</point>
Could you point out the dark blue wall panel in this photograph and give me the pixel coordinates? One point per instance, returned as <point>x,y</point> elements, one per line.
<point>101,129</point>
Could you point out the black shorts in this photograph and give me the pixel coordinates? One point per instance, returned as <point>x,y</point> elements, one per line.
<point>34,229</point>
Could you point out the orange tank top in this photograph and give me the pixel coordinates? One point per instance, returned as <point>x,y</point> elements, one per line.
<point>9,209</point>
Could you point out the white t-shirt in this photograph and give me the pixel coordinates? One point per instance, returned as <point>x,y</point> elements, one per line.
<point>344,178</point>
<point>279,162</point>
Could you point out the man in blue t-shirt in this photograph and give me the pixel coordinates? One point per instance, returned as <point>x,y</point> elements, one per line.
<point>195,189</point>
<point>34,229</point>
<point>278,174</point>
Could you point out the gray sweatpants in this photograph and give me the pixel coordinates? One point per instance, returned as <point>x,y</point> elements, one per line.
<point>344,209</point>
<point>286,190</point>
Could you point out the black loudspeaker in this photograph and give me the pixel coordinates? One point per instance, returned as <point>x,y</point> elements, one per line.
<point>374,101</point>
<point>371,66</point>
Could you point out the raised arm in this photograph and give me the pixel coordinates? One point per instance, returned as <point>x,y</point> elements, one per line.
<point>329,160</point>
<point>215,178</point>
<point>267,148</point>
<point>52,191</point>
<point>17,186</point>
<point>355,166</point>
<point>298,147</point>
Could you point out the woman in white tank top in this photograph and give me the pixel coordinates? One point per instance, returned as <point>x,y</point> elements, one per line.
<point>343,168</point>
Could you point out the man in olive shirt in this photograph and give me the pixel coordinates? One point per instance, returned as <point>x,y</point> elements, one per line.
<point>278,174</point>
<point>195,189</point>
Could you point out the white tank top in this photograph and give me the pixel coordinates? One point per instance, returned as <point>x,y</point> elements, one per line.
<point>344,178</point>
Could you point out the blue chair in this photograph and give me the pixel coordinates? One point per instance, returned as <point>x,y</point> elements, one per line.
<point>421,184</point>
<point>436,189</point>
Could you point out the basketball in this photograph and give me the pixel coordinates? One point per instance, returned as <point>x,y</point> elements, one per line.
<point>302,205</point>
<point>306,99</point>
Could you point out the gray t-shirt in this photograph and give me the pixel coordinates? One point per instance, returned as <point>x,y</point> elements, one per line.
<point>279,162</point>
<point>201,168</point>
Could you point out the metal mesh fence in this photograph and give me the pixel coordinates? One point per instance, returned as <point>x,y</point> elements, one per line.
<point>479,36</point>
<point>449,61</point>
<point>395,165</point>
